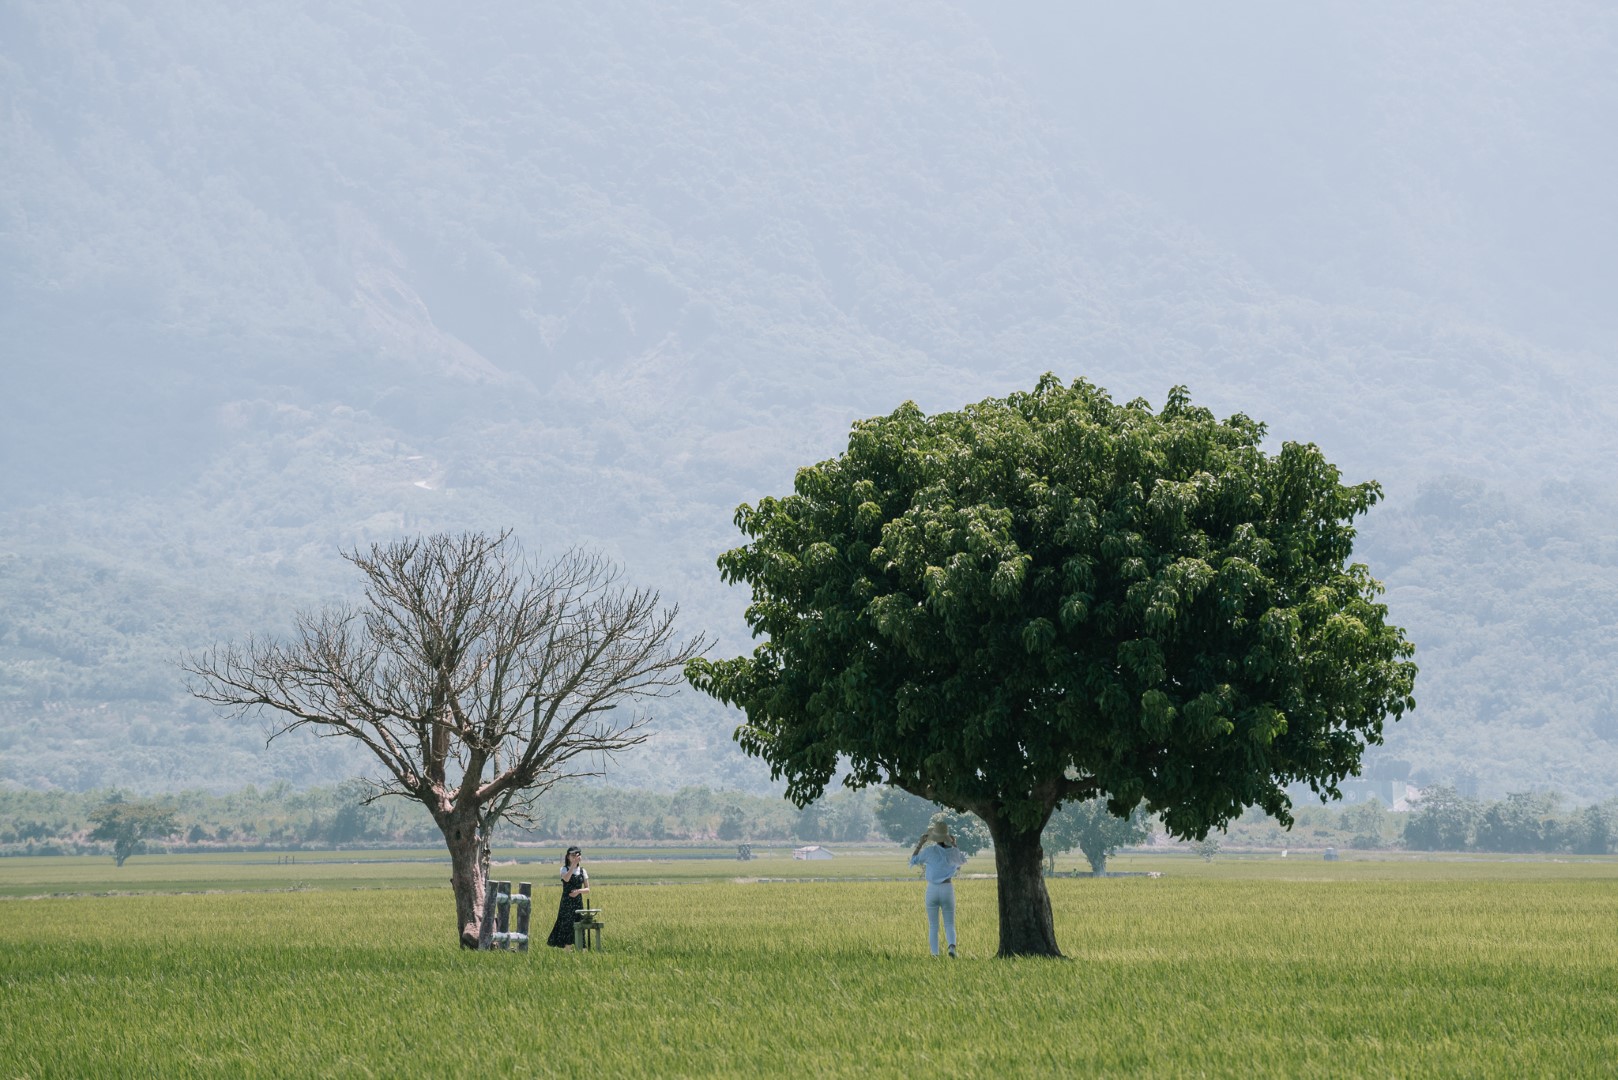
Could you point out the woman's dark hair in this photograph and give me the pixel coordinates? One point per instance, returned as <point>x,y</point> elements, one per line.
<point>571,851</point>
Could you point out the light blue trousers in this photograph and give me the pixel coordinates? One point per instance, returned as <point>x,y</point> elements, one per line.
<point>940,901</point>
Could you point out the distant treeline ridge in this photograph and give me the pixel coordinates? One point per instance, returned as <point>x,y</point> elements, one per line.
<point>281,817</point>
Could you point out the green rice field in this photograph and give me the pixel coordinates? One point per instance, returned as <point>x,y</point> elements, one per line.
<point>345,965</point>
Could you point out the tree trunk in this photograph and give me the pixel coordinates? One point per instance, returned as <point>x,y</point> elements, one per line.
<point>468,875</point>
<point>1026,928</point>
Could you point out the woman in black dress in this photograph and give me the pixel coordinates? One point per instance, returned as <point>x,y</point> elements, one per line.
<point>575,883</point>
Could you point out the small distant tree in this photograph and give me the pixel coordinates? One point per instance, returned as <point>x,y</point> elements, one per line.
<point>1364,822</point>
<point>1207,847</point>
<point>693,808</point>
<point>1094,830</point>
<point>1442,820</point>
<point>732,823</point>
<point>849,818</point>
<point>901,816</point>
<point>811,823</point>
<point>476,679</point>
<point>971,835</point>
<point>356,814</point>
<point>130,823</point>
<point>845,817</point>
<point>1592,829</point>
<point>1522,822</point>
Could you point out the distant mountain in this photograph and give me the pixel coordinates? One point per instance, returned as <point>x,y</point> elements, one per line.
<point>281,279</point>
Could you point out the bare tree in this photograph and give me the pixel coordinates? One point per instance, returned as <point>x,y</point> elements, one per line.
<point>476,679</point>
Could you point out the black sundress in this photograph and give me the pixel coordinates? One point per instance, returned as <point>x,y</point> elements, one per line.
<point>568,913</point>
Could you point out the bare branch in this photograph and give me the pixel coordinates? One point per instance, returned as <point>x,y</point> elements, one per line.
<point>476,679</point>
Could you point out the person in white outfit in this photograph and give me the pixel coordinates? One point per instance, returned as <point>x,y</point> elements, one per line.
<point>940,861</point>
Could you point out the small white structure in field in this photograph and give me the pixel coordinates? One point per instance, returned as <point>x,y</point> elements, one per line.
<point>813,851</point>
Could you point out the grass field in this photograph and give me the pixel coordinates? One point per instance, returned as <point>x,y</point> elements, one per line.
<point>202,965</point>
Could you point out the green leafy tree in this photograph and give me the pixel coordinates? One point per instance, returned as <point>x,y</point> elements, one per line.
<point>130,823</point>
<point>732,823</point>
<point>971,835</point>
<point>849,818</point>
<point>811,823</point>
<point>1592,830</point>
<point>902,817</point>
<point>1050,596</point>
<point>1522,822</point>
<point>1094,830</point>
<point>1366,821</point>
<point>356,816</point>
<point>1443,820</point>
<point>843,817</point>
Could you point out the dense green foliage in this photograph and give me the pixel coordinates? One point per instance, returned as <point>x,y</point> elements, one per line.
<point>902,817</point>
<point>129,823</point>
<point>1095,830</point>
<point>1444,820</point>
<point>1229,969</point>
<point>1052,595</point>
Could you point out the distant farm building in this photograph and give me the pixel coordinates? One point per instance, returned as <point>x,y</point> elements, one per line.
<point>813,851</point>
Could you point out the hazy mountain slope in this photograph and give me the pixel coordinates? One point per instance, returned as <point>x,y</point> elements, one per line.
<point>1514,604</point>
<point>279,279</point>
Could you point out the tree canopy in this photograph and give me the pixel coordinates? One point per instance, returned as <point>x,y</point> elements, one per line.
<point>1052,596</point>
<point>1094,830</point>
<point>902,817</point>
<point>128,823</point>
